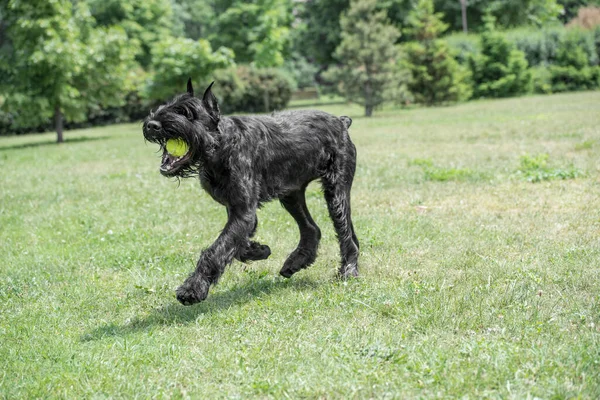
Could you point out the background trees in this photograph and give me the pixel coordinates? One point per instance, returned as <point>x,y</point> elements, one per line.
<point>59,63</point>
<point>436,77</point>
<point>500,70</point>
<point>366,54</point>
<point>102,61</point>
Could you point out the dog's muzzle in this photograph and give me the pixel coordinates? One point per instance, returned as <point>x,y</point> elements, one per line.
<point>171,164</point>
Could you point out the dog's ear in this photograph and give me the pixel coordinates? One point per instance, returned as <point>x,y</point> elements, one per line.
<point>190,88</point>
<point>210,103</point>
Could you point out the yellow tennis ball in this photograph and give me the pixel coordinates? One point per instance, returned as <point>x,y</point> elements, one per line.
<point>177,147</point>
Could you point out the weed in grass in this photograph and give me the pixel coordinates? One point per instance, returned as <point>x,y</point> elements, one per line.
<point>536,169</point>
<point>440,174</point>
<point>585,145</point>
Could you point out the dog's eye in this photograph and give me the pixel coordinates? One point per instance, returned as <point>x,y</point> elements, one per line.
<point>189,115</point>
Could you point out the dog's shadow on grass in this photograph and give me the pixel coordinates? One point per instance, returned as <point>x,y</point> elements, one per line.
<point>52,142</point>
<point>175,314</point>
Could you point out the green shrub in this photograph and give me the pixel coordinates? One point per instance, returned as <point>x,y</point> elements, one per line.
<point>302,71</point>
<point>463,45</point>
<point>536,169</point>
<point>174,60</point>
<point>541,80</point>
<point>574,69</point>
<point>500,70</point>
<point>541,47</point>
<point>249,89</point>
<point>436,77</point>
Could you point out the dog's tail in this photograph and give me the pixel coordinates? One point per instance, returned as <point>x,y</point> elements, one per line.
<point>346,120</point>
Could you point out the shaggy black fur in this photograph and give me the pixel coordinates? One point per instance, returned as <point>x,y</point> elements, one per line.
<point>245,161</point>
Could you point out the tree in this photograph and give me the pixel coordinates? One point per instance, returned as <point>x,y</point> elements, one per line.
<point>59,64</point>
<point>436,77</point>
<point>194,19</point>
<point>174,60</point>
<point>508,13</point>
<point>366,54</point>
<point>146,22</point>
<point>320,32</point>
<point>500,70</point>
<point>463,13</point>
<point>257,32</point>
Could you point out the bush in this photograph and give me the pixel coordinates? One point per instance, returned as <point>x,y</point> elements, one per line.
<point>573,69</point>
<point>248,89</point>
<point>541,47</point>
<point>302,71</point>
<point>463,46</point>
<point>500,70</point>
<point>541,80</point>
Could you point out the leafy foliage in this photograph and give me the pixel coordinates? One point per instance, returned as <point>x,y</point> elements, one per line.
<point>146,22</point>
<point>541,46</point>
<point>508,13</point>
<point>250,89</point>
<point>301,70</point>
<point>256,31</point>
<point>365,55</point>
<point>194,19</point>
<point>500,70</point>
<point>174,60</point>
<point>573,69</point>
<point>59,63</point>
<point>320,32</point>
<point>436,77</point>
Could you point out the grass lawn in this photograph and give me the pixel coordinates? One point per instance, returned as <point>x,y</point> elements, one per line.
<point>480,258</point>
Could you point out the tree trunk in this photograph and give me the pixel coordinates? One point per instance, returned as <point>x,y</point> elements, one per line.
<point>463,7</point>
<point>368,98</point>
<point>58,124</point>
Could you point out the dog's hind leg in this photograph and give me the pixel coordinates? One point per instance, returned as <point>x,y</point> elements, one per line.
<point>336,188</point>
<point>310,234</point>
<point>254,251</point>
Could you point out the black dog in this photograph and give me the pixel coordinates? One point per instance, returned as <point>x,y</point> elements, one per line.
<point>243,162</point>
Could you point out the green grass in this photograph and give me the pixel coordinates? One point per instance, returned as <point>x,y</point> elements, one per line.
<point>477,284</point>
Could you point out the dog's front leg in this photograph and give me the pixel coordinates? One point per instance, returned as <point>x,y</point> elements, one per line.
<point>213,260</point>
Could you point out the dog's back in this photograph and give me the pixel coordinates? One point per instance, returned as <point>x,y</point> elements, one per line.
<point>288,148</point>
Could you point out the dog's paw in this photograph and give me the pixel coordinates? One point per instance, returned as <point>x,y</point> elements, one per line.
<point>298,260</point>
<point>348,271</point>
<point>254,252</point>
<point>193,290</point>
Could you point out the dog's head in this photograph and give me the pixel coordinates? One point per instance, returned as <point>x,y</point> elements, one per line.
<point>190,119</point>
